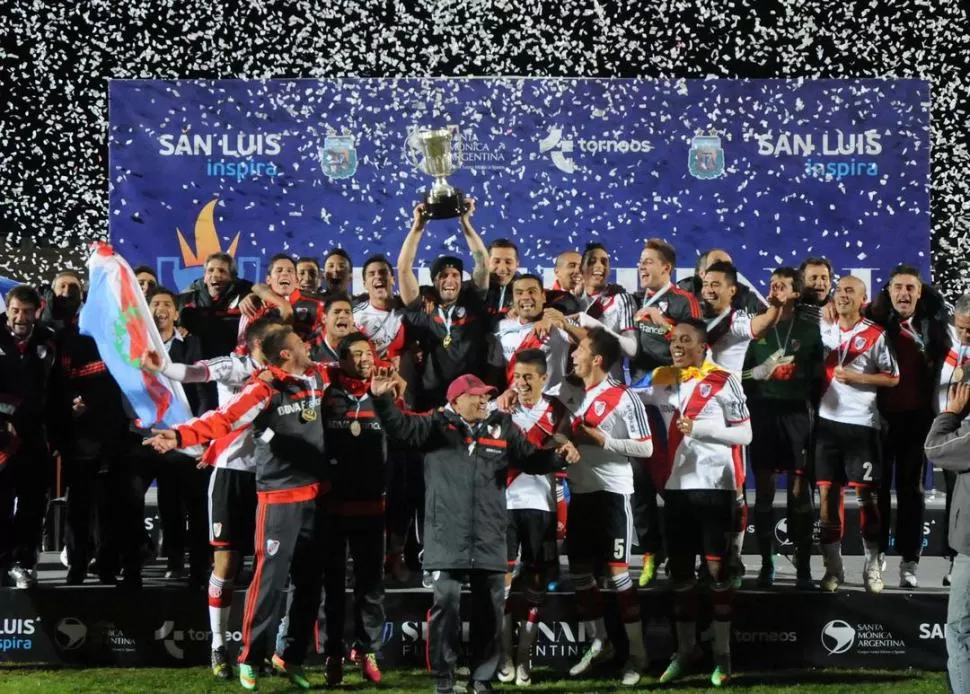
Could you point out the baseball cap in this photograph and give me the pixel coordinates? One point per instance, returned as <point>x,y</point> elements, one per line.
<point>446,261</point>
<point>467,384</point>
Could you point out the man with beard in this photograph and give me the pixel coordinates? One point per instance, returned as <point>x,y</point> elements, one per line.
<point>357,449</point>
<point>704,410</point>
<point>282,297</point>
<point>27,358</point>
<point>816,272</point>
<point>338,324</point>
<point>449,321</point>
<point>569,273</point>
<point>181,486</point>
<point>532,515</point>
<point>529,331</point>
<point>858,361</point>
<point>338,271</point>
<point>308,275</point>
<point>780,373</point>
<point>468,452</point>
<point>612,424</point>
<point>210,310</point>
<point>503,266</point>
<point>744,299</point>
<point>62,301</point>
<point>916,319</point>
<point>284,408</point>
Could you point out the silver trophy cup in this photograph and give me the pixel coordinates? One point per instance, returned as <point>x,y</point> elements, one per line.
<point>442,200</point>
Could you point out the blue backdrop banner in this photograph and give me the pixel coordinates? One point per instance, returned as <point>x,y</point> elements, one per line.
<point>770,170</point>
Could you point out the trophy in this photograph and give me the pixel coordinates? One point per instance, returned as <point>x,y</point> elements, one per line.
<point>442,200</point>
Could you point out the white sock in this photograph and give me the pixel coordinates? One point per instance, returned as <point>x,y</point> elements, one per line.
<point>872,553</point>
<point>722,638</point>
<point>638,652</point>
<point>686,636</point>
<point>216,620</point>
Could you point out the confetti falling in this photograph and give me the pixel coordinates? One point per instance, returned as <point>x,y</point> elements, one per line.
<point>53,163</point>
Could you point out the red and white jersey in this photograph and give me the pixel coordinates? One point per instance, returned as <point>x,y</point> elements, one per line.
<point>712,400</point>
<point>729,335</point>
<point>384,329</point>
<point>229,373</point>
<point>615,311</point>
<point>862,349</point>
<point>539,422</point>
<point>515,336</point>
<point>958,356</point>
<point>613,409</point>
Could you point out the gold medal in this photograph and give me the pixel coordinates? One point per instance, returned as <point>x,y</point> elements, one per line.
<point>958,374</point>
<point>355,428</point>
<point>447,341</point>
<point>308,414</point>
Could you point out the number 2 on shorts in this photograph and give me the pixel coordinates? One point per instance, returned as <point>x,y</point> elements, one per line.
<point>867,471</point>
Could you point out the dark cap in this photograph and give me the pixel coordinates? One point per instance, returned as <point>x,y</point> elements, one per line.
<point>444,262</point>
<point>467,385</point>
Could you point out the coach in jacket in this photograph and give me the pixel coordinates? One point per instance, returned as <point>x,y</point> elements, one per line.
<point>948,446</point>
<point>467,455</point>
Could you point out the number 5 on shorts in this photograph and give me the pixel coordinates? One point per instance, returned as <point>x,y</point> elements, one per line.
<point>867,471</point>
<point>619,548</point>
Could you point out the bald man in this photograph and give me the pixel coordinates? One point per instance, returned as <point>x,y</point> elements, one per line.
<point>744,299</point>
<point>569,273</point>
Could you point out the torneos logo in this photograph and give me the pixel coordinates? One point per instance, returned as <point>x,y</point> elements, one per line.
<point>838,637</point>
<point>170,636</point>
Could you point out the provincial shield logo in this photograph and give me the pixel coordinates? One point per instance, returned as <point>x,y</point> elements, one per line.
<point>705,160</point>
<point>338,157</point>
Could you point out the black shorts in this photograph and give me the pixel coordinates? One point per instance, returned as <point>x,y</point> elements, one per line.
<point>232,510</point>
<point>847,454</point>
<point>534,532</point>
<point>599,528</point>
<point>697,522</point>
<point>781,433</point>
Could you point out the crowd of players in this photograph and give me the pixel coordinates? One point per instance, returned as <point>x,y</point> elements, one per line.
<point>335,424</point>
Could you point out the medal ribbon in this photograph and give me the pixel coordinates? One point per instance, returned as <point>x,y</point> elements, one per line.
<point>656,296</point>
<point>446,319</point>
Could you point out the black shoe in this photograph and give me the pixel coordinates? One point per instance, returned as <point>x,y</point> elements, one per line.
<point>220,664</point>
<point>75,578</point>
<point>479,687</point>
<point>131,580</point>
<point>107,579</point>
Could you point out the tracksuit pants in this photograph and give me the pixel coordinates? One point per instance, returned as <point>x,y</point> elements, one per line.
<point>24,479</point>
<point>444,628</point>
<point>364,535</point>
<point>290,547</point>
<point>905,463</point>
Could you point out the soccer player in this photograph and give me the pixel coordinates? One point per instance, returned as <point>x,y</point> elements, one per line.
<point>703,407</point>
<point>569,273</point>
<point>858,361</point>
<point>284,410</point>
<point>282,297</point>
<point>613,423</point>
<point>338,324</point>
<point>380,316</point>
<point>744,299</point>
<point>232,486</point>
<point>532,515</point>
<point>338,271</point>
<point>916,320</point>
<point>503,267</point>
<point>357,449</point>
<point>608,303</point>
<point>527,332</point>
<point>780,371</point>
<point>467,455</point>
<point>817,276</point>
<point>308,275</point>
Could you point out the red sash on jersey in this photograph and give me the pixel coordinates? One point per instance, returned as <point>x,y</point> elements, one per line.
<point>601,407</point>
<point>540,432</point>
<point>531,341</point>
<point>859,344</point>
<point>662,460</point>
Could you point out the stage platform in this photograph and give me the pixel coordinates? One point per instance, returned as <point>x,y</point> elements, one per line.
<point>166,624</point>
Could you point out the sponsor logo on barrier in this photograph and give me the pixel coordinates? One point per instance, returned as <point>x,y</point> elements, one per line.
<point>561,150</point>
<point>766,636</point>
<point>781,533</point>
<point>839,637</point>
<point>825,152</point>
<point>16,633</point>
<point>553,640</point>
<point>173,638</point>
<point>108,635</point>
<point>931,630</point>
<point>70,634</point>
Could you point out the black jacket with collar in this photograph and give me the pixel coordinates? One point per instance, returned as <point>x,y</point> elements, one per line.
<point>215,323</point>
<point>26,377</point>
<point>465,474</point>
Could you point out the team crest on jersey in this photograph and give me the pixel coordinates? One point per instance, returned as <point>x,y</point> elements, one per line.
<point>41,351</point>
<point>217,529</point>
<point>795,344</point>
<point>272,547</point>
<point>302,312</point>
<point>859,343</point>
<point>599,407</point>
<point>662,305</point>
<point>705,389</point>
<point>494,430</point>
<point>460,312</point>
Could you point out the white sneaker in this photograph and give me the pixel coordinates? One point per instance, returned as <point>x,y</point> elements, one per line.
<point>506,673</point>
<point>523,675</point>
<point>593,657</point>
<point>831,581</point>
<point>22,578</point>
<point>64,561</point>
<point>632,673</point>
<point>872,579</point>
<point>907,575</point>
